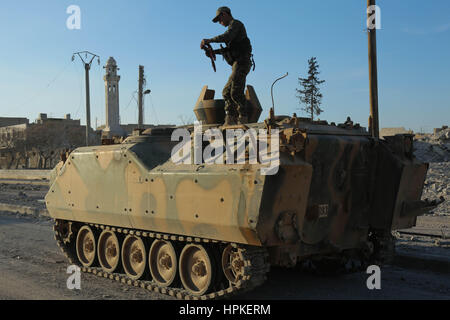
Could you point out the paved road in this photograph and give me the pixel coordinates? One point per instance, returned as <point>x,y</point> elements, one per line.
<point>32,267</point>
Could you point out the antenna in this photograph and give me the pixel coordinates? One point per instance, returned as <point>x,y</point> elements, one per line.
<point>271,90</point>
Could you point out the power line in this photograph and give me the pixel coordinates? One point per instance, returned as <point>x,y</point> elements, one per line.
<point>129,102</point>
<point>137,107</point>
<point>154,110</point>
<point>40,92</point>
<point>81,91</point>
<point>132,96</point>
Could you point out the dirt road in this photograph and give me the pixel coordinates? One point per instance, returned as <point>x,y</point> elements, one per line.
<point>32,267</point>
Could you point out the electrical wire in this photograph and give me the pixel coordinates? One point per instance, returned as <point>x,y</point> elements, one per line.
<point>154,110</point>
<point>129,102</point>
<point>136,114</point>
<point>132,96</point>
<point>81,91</point>
<point>40,92</point>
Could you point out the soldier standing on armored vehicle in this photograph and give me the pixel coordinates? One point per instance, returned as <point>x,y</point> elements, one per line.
<point>237,53</point>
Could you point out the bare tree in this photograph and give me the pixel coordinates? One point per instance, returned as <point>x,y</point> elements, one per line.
<point>39,145</point>
<point>50,140</point>
<point>12,141</point>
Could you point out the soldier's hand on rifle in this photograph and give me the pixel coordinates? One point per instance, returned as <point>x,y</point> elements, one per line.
<point>204,42</point>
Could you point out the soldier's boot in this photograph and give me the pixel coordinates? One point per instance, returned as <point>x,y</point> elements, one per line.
<point>230,110</point>
<point>230,119</point>
<point>243,119</point>
<point>242,112</point>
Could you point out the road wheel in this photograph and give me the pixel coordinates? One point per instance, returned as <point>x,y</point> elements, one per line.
<point>134,257</point>
<point>163,262</point>
<point>196,270</point>
<point>108,249</point>
<point>232,264</point>
<point>86,246</point>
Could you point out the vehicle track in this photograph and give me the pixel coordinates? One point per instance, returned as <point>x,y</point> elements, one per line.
<point>255,263</point>
<point>33,267</point>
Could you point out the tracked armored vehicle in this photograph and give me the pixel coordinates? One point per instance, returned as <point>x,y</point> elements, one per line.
<point>127,212</point>
<point>182,219</point>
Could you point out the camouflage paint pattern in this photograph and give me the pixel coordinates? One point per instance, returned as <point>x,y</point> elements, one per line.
<point>334,185</point>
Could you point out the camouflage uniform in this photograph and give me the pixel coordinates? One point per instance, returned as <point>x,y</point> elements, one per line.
<point>238,54</point>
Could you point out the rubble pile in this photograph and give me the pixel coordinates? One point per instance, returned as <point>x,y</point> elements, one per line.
<point>435,149</point>
<point>437,184</point>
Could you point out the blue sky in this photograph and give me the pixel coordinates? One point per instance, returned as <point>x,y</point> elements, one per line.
<point>37,74</point>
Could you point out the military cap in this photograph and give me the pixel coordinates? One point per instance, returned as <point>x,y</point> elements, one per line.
<point>219,11</point>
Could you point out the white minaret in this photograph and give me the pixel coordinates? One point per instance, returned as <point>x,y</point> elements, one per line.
<point>111,78</point>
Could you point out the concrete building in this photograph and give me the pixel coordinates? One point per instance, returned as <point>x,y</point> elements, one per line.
<point>394,131</point>
<point>39,144</point>
<point>43,119</point>
<point>8,133</point>
<point>437,130</point>
<point>6,122</point>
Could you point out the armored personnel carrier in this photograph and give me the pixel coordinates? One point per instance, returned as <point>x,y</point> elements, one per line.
<point>197,230</point>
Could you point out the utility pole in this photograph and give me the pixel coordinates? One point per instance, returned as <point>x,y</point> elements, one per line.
<point>140,97</point>
<point>141,93</point>
<point>373,72</point>
<point>87,67</point>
